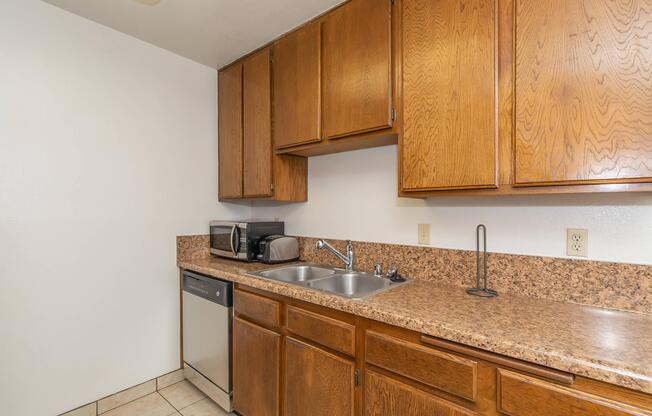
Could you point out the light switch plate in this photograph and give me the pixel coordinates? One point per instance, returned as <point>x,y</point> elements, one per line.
<point>577,242</point>
<point>424,234</point>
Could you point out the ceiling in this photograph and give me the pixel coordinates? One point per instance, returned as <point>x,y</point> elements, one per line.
<point>211,32</point>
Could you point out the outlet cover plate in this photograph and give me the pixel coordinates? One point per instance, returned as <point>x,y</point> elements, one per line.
<point>424,234</point>
<point>577,242</point>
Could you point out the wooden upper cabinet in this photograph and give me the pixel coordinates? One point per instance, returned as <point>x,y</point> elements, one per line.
<point>297,87</point>
<point>230,132</point>
<point>247,166</point>
<point>583,92</point>
<point>357,68</point>
<point>449,95</point>
<point>257,119</point>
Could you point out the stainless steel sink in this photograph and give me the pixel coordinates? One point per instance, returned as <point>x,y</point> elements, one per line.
<point>300,273</point>
<point>353,285</point>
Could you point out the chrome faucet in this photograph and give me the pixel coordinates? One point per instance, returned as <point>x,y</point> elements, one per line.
<point>348,259</point>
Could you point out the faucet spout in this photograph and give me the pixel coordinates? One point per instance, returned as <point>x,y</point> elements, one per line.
<point>346,259</point>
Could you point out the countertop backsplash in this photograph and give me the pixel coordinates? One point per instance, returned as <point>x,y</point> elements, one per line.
<point>621,286</point>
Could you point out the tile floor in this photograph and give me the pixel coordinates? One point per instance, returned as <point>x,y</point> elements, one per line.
<point>179,399</point>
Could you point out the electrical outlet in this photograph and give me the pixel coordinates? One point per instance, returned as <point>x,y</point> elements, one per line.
<point>577,242</point>
<point>423,234</point>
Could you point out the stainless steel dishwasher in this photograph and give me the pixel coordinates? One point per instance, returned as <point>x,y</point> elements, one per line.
<point>207,319</point>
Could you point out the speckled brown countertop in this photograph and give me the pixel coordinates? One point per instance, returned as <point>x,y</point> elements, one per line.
<point>602,344</point>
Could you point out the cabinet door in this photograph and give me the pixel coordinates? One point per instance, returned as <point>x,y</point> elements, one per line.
<point>297,86</point>
<point>387,397</point>
<point>449,95</point>
<point>583,91</point>
<point>317,383</point>
<point>230,132</point>
<point>520,395</point>
<point>357,68</point>
<point>257,154</point>
<point>256,369</point>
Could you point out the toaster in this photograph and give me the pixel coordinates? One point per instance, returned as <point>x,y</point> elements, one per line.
<point>278,249</point>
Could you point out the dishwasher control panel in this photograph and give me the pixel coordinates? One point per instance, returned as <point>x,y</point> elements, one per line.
<point>209,288</point>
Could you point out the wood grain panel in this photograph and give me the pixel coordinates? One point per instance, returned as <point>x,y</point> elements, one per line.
<point>256,369</point>
<point>257,308</point>
<point>290,178</point>
<point>257,133</point>
<point>583,91</point>
<point>434,368</point>
<point>449,94</point>
<point>520,395</point>
<point>323,330</point>
<point>230,132</point>
<point>387,397</point>
<point>538,370</point>
<point>317,383</point>
<point>357,68</point>
<point>297,87</point>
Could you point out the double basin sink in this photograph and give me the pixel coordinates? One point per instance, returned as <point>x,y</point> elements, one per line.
<point>349,284</point>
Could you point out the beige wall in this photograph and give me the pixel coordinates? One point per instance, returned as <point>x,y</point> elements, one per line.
<point>353,196</point>
<point>107,152</point>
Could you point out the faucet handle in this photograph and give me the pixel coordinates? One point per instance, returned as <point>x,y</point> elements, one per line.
<point>392,271</point>
<point>378,270</point>
<point>394,276</point>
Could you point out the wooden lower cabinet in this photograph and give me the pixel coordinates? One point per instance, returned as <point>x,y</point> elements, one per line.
<point>387,397</point>
<point>256,369</point>
<point>305,365</point>
<point>521,395</point>
<point>317,383</point>
<point>425,365</point>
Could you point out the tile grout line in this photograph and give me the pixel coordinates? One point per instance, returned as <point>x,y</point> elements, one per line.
<point>125,403</point>
<point>171,405</point>
<point>196,401</point>
<point>96,402</point>
<point>204,396</point>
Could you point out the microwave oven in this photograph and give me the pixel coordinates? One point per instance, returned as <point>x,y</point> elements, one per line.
<point>238,240</point>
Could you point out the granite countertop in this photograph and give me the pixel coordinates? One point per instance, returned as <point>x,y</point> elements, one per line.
<point>602,344</point>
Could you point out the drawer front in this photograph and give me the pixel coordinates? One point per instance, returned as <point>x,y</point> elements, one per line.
<point>257,308</point>
<point>323,330</point>
<point>387,397</point>
<point>520,395</point>
<point>437,369</point>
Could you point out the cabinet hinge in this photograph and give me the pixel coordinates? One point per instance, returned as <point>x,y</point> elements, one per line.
<point>271,186</point>
<point>356,377</point>
<point>393,115</point>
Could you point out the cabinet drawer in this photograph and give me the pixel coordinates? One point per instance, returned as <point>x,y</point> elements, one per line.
<point>387,397</point>
<point>434,368</point>
<point>257,308</point>
<point>520,395</point>
<point>326,331</point>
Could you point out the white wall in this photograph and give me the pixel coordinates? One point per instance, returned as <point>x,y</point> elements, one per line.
<point>353,196</point>
<point>107,152</point>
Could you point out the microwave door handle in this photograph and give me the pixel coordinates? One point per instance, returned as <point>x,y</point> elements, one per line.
<point>235,246</point>
<point>232,234</point>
